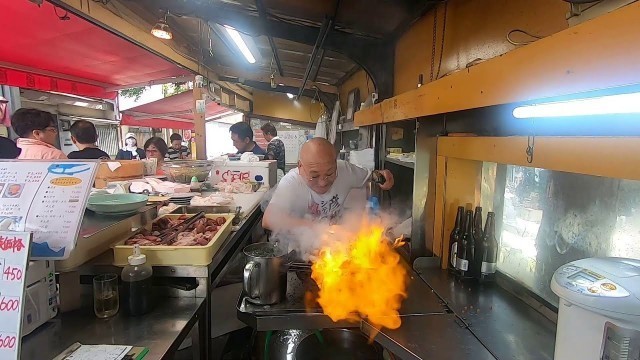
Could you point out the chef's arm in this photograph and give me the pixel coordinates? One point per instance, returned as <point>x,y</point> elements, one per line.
<point>276,219</point>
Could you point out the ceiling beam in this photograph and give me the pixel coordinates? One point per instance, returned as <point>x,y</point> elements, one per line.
<point>263,76</point>
<point>262,11</point>
<point>327,26</point>
<point>374,55</point>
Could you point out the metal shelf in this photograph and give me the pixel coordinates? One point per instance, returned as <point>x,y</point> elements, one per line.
<point>408,164</point>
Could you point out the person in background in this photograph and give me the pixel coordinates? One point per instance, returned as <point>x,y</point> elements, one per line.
<point>84,136</point>
<point>38,134</point>
<point>130,151</point>
<point>8,149</point>
<point>242,137</point>
<point>156,148</point>
<point>177,151</point>
<point>275,149</point>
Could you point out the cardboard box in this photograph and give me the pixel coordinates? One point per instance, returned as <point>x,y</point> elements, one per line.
<point>128,170</point>
<point>246,171</point>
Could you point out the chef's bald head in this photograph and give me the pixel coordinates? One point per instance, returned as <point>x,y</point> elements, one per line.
<point>318,165</point>
<point>317,150</point>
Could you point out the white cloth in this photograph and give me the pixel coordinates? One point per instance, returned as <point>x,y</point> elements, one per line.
<point>294,197</point>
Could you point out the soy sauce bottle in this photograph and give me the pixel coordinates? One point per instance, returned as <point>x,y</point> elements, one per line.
<point>477,234</point>
<point>489,255</point>
<point>465,251</point>
<point>454,239</point>
<point>137,283</point>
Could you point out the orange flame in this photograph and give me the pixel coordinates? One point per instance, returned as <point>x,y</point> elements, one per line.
<point>361,278</point>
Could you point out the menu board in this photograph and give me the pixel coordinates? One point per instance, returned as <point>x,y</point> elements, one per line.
<point>293,141</point>
<point>14,256</point>
<point>46,198</point>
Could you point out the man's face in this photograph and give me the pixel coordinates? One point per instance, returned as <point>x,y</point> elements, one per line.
<point>48,135</point>
<point>319,176</point>
<point>240,144</point>
<point>176,144</point>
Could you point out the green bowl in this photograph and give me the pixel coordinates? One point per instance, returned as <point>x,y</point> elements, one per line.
<point>116,204</point>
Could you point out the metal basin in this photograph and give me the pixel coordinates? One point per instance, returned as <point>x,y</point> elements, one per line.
<point>337,344</point>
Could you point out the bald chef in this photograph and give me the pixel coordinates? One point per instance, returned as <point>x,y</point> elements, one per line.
<point>317,188</point>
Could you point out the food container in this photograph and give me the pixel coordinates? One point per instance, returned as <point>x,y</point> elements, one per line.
<point>181,171</point>
<point>240,171</point>
<point>122,170</point>
<point>116,204</point>
<point>176,255</point>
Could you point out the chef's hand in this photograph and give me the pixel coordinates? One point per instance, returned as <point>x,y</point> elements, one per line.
<point>388,179</point>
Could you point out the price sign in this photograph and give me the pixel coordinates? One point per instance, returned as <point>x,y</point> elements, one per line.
<point>14,257</point>
<point>47,199</point>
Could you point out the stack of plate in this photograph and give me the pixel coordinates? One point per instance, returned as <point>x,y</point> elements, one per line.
<point>182,198</point>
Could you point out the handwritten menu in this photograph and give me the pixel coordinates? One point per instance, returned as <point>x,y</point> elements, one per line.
<point>48,199</point>
<point>14,257</point>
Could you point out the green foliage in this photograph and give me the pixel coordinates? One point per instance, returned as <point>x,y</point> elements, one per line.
<point>134,93</point>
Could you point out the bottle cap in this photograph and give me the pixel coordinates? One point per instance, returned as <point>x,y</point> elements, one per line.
<point>137,258</point>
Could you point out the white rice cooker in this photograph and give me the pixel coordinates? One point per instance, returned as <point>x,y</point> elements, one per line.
<point>599,310</point>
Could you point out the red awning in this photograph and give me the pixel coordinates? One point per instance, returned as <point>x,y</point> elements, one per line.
<point>173,112</point>
<point>40,51</point>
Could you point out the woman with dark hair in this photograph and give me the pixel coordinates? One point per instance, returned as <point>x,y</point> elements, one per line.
<point>156,148</point>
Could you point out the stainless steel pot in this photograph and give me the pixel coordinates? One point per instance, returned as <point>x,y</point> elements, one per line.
<point>265,273</point>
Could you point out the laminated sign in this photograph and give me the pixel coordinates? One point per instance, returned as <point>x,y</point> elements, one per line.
<point>14,257</point>
<point>47,199</point>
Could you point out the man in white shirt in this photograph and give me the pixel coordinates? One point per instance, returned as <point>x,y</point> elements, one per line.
<point>317,189</point>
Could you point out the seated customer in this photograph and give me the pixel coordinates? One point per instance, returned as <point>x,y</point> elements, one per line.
<point>242,137</point>
<point>156,148</point>
<point>38,131</point>
<point>177,151</point>
<point>84,137</point>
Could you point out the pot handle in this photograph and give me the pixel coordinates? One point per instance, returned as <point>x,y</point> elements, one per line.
<point>248,279</point>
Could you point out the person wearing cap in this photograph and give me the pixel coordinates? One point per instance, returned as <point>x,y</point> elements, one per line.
<point>38,134</point>
<point>130,150</point>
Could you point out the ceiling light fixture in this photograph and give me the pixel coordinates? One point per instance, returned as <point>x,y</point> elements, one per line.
<point>242,46</point>
<point>161,29</point>
<point>290,95</point>
<point>603,105</point>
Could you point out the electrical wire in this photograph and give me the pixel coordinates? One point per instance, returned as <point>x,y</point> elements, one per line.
<point>444,28</point>
<point>518,43</point>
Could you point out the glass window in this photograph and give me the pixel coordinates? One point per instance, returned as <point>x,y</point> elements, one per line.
<point>549,218</point>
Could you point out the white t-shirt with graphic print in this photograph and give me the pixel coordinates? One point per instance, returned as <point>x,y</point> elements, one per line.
<point>294,197</point>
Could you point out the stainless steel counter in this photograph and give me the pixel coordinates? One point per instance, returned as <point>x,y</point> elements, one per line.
<point>162,330</point>
<point>294,313</point>
<point>504,324</point>
<point>422,337</point>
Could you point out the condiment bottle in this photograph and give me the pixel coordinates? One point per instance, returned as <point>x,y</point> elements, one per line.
<point>195,185</point>
<point>137,283</point>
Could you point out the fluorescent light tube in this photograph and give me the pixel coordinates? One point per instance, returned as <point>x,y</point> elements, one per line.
<point>604,105</point>
<point>244,49</point>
